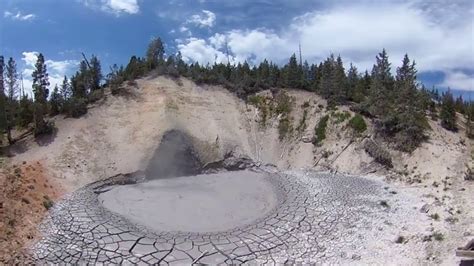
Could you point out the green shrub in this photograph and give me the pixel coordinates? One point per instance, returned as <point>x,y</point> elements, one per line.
<point>357,123</point>
<point>47,202</point>
<point>283,103</point>
<point>284,127</point>
<point>302,125</point>
<point>47,129</point>
<point>320,130</point>
<point>96,95</point>
<point>340,116</point>
<point>435,216</point>
<point>76,107</point>
<point>438,236</point>
<point>256,100</point>
<point>262,104</point>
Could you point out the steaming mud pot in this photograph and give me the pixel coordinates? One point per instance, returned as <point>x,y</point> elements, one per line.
<point>300,216</point>
<point>202,203</point>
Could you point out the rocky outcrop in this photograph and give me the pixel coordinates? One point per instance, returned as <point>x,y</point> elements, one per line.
<point>230,162</point>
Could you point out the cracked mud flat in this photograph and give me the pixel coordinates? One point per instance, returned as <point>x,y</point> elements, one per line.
<point>318,218</point>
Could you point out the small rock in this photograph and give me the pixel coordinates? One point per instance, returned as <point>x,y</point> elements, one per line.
<point>425,208</point>
<point>467,233</point>
<point>355,257</point>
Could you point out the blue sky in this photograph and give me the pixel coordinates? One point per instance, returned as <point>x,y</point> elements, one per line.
<point>437,34</point>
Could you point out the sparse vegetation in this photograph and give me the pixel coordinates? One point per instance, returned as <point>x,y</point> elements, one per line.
<point>302,124</point>
<point>320,130</point>
<point>357,123</point>
<point>340,117</point>
<point>280,105</point>
<point>378,153</point>
<point>262,104</point>
<point>47,202</point>
<point>438,236</point>
<point>435,216</point>
<point>400,240</point>
<point>284,127</point>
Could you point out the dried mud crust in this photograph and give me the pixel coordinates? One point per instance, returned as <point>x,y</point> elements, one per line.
<point>313,221</point>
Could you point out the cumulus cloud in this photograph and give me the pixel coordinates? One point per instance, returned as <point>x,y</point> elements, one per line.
<point>459,80</point>
<point>200,51</point>
<point>114,6</point>
<point>18,16</point>
<point>56,70</point>
<point>358,33</point>
<point>205,19</point>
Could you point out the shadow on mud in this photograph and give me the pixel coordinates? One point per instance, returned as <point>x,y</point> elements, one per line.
<point>174,157</point>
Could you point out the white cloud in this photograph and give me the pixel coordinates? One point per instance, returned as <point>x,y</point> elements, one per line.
<point>436,42</point>
<point>56,70</point>
<point>203,20</point>
<point>459,80</point>
<point>198,50</point>
<point>18,16</point>
<point>114,6</point>
<point>127,6</point>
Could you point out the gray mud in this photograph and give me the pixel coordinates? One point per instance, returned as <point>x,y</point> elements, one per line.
<point>202,203</point>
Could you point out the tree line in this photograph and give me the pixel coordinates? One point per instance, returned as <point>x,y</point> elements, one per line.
<point>19,110</point>
<point>398,104</point>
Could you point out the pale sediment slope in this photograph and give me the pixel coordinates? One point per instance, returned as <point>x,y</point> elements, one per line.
<point>120,134</point>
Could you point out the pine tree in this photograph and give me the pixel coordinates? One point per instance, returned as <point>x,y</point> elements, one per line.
<point>155,53</point>
<point>40,89</point>
<point>180,64</point>
<point>56,101</point>
<point>95,73</point>
<point>65,89</point>
<point>26,111</point>
<point>3,98</point>
<point>293,73</point>
<point>381,87</point>
<point>339,80</point>
<point>459,105</point>
<point>80,81</point>
<point>352,81</point>
<point>409,111</point>
<point>11,79</point>
<point>469,120</point>
<point>326,84</point>
<point>448,112</point>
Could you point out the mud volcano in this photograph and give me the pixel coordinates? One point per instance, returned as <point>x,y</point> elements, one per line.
<point>176,197</point>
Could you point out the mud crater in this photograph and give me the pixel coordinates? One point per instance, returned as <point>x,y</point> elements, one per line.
<point>178,195</point>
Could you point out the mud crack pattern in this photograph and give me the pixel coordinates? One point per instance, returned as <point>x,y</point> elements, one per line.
<point>317,218</point>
